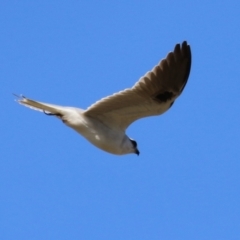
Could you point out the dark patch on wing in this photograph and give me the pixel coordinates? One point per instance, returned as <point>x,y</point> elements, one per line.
<point>164,97</point>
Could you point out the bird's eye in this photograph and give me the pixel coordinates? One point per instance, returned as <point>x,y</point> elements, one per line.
<point>134,143</point>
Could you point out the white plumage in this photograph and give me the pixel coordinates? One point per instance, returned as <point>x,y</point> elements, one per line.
<point>104,123</point>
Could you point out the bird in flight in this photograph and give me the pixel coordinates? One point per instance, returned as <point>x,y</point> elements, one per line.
<point>104,123</point>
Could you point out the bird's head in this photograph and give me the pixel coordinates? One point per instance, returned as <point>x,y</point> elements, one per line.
<point>134,146</point>
<point>128,145</point>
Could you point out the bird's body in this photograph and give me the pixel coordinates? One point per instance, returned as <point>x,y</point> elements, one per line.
<point>99,134</point>
<point>105,122</point>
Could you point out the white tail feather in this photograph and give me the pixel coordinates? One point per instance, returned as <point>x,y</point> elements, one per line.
<point>39,106</point>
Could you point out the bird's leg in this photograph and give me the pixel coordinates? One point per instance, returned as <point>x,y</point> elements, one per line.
<point>53,114</point>
<point>58,115</point>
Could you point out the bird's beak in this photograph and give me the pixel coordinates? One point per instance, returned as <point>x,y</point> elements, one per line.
<point>137,152</point>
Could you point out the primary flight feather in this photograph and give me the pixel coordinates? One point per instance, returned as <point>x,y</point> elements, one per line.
<point>104,123</point>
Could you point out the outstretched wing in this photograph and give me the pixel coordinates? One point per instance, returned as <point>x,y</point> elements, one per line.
<point>152,95</point>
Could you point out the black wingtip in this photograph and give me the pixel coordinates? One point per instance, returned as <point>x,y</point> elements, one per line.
<point>186,50</point>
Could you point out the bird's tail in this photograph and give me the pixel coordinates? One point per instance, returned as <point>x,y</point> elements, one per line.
<point>49,109</point>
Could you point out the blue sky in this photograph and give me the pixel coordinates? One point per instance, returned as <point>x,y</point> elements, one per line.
<point>56,185</point>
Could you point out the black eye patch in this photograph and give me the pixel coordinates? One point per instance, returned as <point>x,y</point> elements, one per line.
<point>134,143</point>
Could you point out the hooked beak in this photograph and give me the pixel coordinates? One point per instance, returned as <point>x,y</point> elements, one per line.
<point>137,152</point>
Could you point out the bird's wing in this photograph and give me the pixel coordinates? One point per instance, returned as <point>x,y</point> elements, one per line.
<point>153,94</point>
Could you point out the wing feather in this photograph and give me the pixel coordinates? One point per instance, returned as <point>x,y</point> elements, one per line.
<point>153,94</point>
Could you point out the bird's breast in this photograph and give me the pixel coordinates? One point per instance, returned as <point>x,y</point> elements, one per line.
<point>99,134</point>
